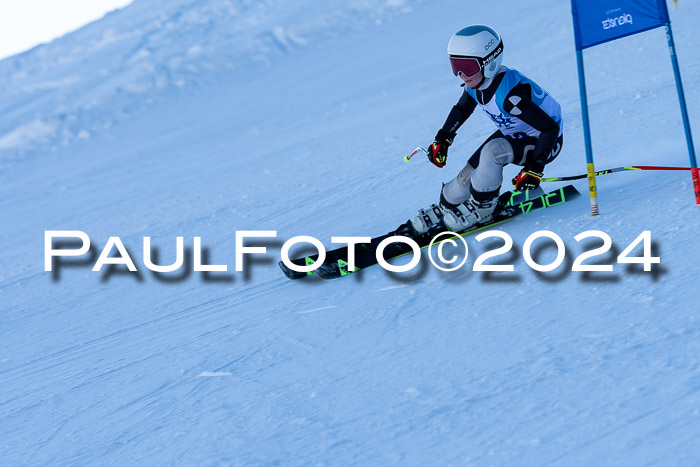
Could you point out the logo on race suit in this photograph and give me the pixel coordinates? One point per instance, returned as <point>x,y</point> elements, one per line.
<point>501,120</point>
<point>616,18</point>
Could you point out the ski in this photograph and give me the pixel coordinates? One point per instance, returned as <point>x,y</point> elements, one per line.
<point>514,203</point>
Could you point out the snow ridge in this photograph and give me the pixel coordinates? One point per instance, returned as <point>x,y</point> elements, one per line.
<point>88,80</point>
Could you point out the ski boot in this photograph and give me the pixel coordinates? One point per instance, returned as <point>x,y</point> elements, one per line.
<point>428,220</point>
<point>469,214</point>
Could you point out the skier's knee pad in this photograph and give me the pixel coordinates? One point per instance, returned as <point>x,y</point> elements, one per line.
<point>497,151</point>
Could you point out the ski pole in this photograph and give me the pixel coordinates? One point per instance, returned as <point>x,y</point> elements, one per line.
<point>613,170</point>
<point>415,151</point>
<point>408,158</point>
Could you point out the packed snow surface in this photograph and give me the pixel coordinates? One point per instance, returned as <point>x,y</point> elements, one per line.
<point>210,117</point>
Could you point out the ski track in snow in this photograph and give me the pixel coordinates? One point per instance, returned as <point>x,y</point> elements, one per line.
<point>213,374</point>
<point>330,307</point>
<point>392,287</point>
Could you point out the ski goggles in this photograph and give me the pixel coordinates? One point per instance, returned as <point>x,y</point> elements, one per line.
<point>469,66</point>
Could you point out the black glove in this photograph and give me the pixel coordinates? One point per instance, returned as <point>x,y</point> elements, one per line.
<point>437,152</point>
<point>527,179</point>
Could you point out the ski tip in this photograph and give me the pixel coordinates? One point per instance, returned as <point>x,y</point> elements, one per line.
<point>291,274</point>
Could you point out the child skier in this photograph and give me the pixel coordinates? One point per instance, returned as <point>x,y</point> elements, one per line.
<point>529,132</point>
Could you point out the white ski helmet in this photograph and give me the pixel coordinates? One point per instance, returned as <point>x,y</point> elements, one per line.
<point>476,46</point>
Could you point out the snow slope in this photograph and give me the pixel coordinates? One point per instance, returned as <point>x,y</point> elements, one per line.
<point>205,118</point>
